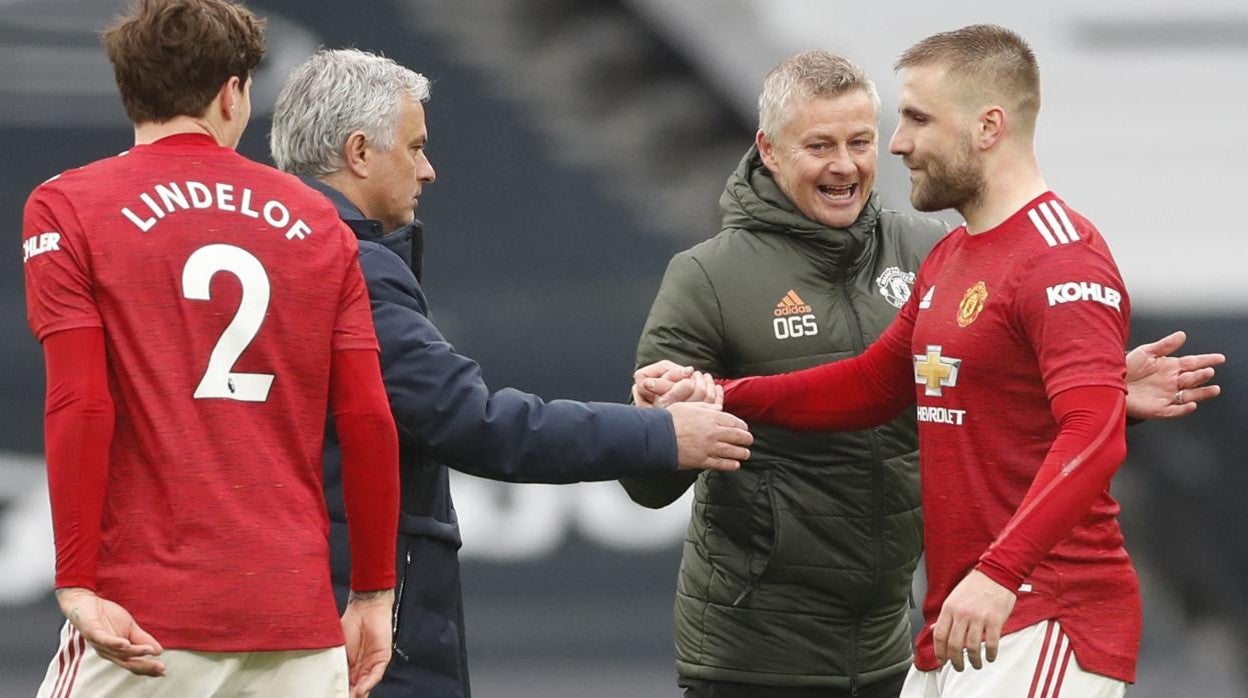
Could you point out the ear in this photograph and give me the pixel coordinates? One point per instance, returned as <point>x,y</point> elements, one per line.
<point>356,154</point>
<point>229,97</point>
<point>767,150</point>
<point>990,127</point>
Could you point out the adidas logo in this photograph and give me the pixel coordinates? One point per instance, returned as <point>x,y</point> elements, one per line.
<point>791,304</point>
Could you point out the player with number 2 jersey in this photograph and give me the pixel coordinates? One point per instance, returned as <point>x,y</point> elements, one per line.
<point>222,287</point>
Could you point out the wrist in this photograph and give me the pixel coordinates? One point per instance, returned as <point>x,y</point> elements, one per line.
<point>373,596</point>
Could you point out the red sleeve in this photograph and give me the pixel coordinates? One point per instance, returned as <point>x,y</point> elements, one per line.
<point>353,328</point>
<point>59,292</point>
<point>78,430</point>
<point>1090,445</point>
<point>370,466</point>
<point>845,395</point>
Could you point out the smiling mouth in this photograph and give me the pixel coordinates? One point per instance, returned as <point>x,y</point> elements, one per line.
<point>838,193</point>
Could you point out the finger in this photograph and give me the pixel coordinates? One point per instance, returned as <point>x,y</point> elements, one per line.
<point>1191,396</point>
<point>658,368</point>
<point>658,386</point>
<point>144,666</point>
<point>142,638</point>
<point>719,395</point>
<point>680,392</point>
<point>721,464</point>
<point>640,399</point>
<point>730,452</point>
<point>957,643</point>
<point>368,680</point>
<point>1191,379</point>
<point>1166,345</point>
<point>992,641</point>
<point>706,386</point>
<point>940,637</point>
<point>974,637</point>
<point>735,437</point>
<point>1196,361</point>
<point>121,654</point>
<point>677,373</point>
<point>731,421</point>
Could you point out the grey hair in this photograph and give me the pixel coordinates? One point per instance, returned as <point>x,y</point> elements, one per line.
<point>808,75</point>
<point>330,96</point>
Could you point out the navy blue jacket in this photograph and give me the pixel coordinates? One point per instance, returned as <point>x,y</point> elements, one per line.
<point>447,417</point>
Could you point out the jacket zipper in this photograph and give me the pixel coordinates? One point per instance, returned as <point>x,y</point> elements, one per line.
<point>398,604</point>
<point>876,492</point>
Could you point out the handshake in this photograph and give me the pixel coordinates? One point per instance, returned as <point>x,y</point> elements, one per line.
<point>707,438</point>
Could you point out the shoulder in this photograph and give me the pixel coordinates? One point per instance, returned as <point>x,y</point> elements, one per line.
<point>387,276</point>
<point>289,188</point>
<point>82,178</point>
<point>910,230</point>
<point>1050,224</point>
<point>731,248</point>
<point>380,263</point>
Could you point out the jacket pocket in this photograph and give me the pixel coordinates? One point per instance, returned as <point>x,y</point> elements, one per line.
<point>764,535</point>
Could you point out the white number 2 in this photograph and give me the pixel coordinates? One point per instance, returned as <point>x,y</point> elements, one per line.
<point>219,381</point>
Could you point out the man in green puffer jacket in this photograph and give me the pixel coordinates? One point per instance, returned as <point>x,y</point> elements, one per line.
<point>796,571</point>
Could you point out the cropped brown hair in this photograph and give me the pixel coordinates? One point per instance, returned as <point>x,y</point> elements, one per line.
<point>170,57</point>
<point>992,62</point>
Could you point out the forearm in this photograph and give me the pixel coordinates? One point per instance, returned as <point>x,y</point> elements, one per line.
<point>78,424</point>
<point>440,400</point>
<point>846,395</point>
<point>370,473</point>
<point>517,437</point>
<point>1089,447</point>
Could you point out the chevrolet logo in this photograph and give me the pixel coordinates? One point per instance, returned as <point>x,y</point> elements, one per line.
<point>934,371</point>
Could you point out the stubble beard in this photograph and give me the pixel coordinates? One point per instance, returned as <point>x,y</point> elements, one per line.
<point>956,182</point>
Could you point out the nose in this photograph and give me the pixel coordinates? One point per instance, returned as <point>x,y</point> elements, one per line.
<point>900,143</point>
<point>840,162</point>
<point>425,171</point>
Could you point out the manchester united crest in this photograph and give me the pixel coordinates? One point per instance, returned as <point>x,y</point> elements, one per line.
<point>895,285</point>
<point>972,304</point>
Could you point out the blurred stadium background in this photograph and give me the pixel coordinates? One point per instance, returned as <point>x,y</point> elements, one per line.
<point>579,144</point>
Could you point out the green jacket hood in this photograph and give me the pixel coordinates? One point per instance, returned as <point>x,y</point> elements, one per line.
<point>752,200</point>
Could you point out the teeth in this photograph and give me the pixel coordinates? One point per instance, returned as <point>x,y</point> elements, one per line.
<point>845,192</point>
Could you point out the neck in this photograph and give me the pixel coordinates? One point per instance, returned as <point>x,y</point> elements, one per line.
<point>152,131</point>
<point>1011,179</point>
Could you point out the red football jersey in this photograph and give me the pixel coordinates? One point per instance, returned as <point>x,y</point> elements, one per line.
<point>222,287</point>
<point>1001,322</point>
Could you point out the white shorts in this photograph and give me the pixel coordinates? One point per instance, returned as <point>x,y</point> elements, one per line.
<point>1035,662</point>
<point>78,672</point>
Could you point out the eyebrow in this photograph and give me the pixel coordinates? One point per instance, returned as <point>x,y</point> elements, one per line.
<point>912,112</point>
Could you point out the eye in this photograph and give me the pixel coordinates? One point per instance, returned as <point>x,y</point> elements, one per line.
<point>861,143</point>
<point>817,147</point>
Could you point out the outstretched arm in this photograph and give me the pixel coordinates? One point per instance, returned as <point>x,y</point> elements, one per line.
<point>1163,386</point>
<point>440,401</point>
<point>846,395</point>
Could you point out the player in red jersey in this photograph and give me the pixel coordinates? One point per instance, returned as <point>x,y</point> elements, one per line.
<point>199,315</point>
<point>1012,346</point>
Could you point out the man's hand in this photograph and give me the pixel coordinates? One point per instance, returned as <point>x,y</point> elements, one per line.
<point>708,438</point>
<point>1161,386</point>
<point>651,384</point>
<point>111,631</point>
<point>366,625</point>
<point>970,619</point>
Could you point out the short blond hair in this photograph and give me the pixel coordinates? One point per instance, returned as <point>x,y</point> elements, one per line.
<point>808,75</point>
<point>992,62</point>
